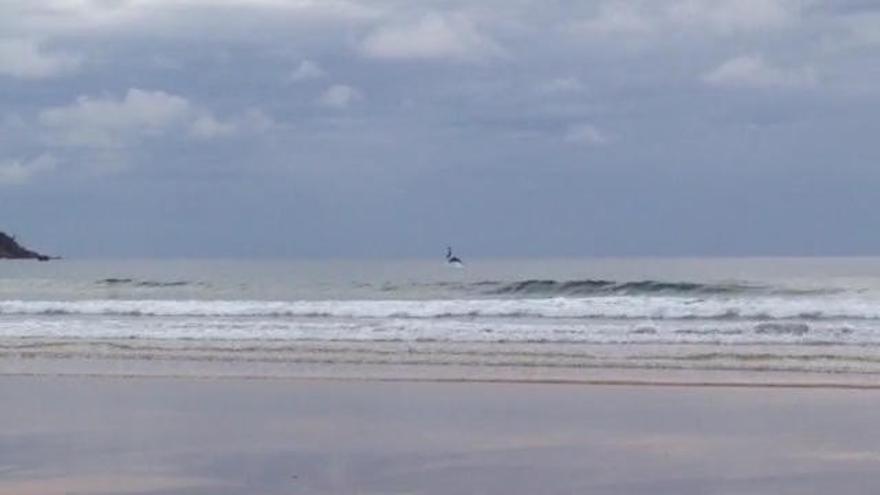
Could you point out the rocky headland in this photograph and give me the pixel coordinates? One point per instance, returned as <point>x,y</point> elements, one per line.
<point>11,249</point>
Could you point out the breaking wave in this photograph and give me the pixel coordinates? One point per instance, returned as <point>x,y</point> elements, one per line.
<point>610,307</point>
<point>538,288</point>
<point>591,287</point>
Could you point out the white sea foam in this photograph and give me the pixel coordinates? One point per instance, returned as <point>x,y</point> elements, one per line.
<point>612,307</point>
<point>727,320</point>
<point>620,320</point>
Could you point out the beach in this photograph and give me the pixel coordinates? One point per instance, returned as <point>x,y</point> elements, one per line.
<point>379,247</point>
<point>373,247</point>
<point>720,376</point>
<point>105,435</point>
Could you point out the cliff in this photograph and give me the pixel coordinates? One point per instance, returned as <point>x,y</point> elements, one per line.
<point>10,249</point>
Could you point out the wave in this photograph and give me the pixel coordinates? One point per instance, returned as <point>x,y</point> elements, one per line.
<point>538,288</point>
<point>590,287</point>
<point>609,308</point>
<point>602,287</point>
<point>149,284</point>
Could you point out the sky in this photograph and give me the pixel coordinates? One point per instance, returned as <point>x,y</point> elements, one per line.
<point>391,128</point>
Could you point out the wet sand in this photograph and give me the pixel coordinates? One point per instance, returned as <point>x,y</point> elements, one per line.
<point>103,435</point>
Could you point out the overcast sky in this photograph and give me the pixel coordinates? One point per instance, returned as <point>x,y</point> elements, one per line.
<point>349,128</point>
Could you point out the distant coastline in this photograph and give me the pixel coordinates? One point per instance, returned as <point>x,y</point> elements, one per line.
<point>11,249</point>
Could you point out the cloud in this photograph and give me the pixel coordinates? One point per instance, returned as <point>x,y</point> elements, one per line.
<point>434,36</point>
<point>108,122</point>
<point>585,134</point>
<point>858,31</point>
<point>164,62</point>
<point>617,18</point>
<point>254,120</point>
<point>184,17</point>
<point>340,96</point>
<point>17,172</point>
<point>306,70</point>
<point>752,71</point>
<point>206,126</point>
<point>655,17</point>
<point>728,16</point>
<point>26,59</point>
<point>562,85</point>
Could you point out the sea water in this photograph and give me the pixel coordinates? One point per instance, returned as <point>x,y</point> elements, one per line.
<point>817,315</point>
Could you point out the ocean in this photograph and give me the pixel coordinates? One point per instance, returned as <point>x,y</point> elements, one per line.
<point>818,316</point>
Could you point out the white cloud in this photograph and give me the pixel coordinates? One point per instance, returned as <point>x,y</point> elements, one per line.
<point>562,85</point>
<point>16,172</point>
<point>585,134</point>
<point>306,70</point>
<point>184,17</point>
<point>340,96</point>
<point>206,126</point>
<point>26,59</point>
<point>107,122</point>
<point>662,17</point>
<point>434,36</point>
<point>727,16</point>
<point>341,9</point>
<point>617,18</point>
<point>752,71</point>
<point>254,120</point>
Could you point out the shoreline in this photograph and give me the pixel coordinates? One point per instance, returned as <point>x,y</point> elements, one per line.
<point>794,385</point>
<point>401,362</point>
